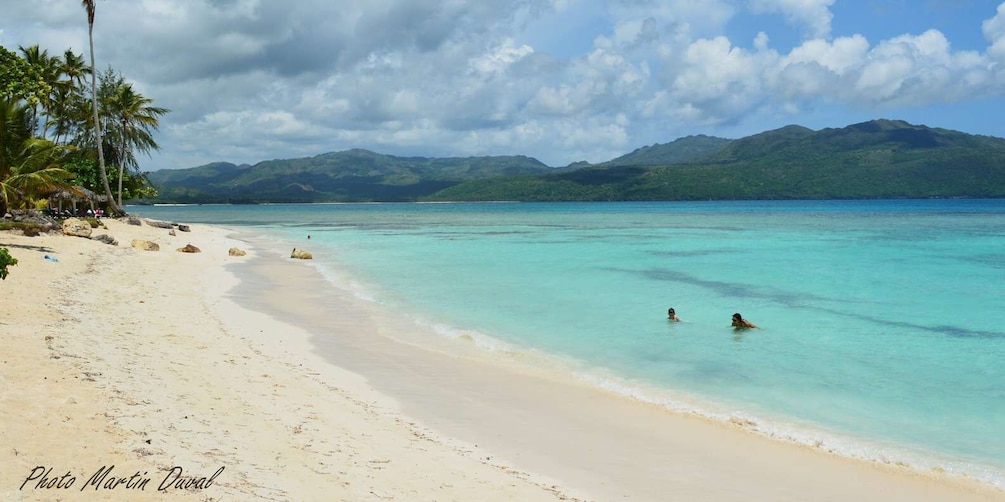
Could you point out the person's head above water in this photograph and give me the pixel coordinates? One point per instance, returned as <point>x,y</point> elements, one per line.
<point>740,322</point>
<point>672,314</point>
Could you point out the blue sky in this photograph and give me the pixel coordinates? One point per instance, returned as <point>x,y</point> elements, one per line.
<point>559,80</point>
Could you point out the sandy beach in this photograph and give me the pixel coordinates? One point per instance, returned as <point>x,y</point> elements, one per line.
<point>140,375</point>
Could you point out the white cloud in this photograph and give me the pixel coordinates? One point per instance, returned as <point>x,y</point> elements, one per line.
<point>249,80</point>
<point>813,15</point>
<point>718,80</point>
<point>504,55</point>
<point>839,56</point>
<point>918,69</point>
<point>994,32</point>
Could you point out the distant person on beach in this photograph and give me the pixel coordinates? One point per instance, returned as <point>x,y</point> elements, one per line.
<point>740,323</point>
<point>672,315</point>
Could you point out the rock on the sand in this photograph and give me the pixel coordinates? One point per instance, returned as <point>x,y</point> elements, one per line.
<point>300,254</point>
<point>236,252</point>
<point>77,227</point>
<point>189,249</point>
<point>158,224</point>
<point>145,245</point>
<point>107,239</point>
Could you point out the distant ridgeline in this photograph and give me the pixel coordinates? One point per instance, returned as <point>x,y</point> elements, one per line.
<point>876,159</point>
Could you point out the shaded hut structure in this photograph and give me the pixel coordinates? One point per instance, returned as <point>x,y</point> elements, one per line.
<point>73,196</point>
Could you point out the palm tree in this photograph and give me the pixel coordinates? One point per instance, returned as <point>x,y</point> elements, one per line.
<point>14,131</point>
<point>29,167</point>
<point>48,71</point>
<point>89,7</point>
<point>133,119</point>
<point>36,174</point>
<point>74,68</point>
<point>66,114</point>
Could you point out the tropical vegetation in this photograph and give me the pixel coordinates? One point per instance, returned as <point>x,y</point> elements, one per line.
<point>6,260</point>
<point>61,121</point>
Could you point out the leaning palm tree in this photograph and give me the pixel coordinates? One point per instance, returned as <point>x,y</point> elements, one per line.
<point>132,121</point>
<point>89,7</point>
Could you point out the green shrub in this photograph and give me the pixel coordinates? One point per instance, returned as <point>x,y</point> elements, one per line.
<point>5,260</point>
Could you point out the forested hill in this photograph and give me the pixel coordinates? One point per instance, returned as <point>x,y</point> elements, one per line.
<point>876,159</point>
<point>676,152</point>
<point>352,175</point>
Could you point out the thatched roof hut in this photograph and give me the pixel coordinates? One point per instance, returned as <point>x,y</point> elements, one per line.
<point>76,194</point>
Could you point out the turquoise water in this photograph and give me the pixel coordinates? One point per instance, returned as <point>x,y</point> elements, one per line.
<point>880,322</point>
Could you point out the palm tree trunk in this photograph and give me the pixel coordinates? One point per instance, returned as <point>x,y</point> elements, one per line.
<point>122,164</point>
<point>116,209</point>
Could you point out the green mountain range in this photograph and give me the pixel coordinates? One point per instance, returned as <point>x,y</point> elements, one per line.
<point>352,175</point>
<point>876,159</point>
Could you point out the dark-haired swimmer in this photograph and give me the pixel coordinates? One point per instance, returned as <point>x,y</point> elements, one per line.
<point>672,315</point>
<point>740,323</point>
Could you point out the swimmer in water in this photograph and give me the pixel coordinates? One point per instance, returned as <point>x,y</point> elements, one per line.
<point>740,323</point>
<point>672,315</point>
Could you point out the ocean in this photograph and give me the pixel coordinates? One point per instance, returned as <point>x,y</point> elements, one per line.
<point>878,320</point>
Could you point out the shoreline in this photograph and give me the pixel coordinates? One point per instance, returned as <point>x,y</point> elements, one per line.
<point>150,360</point>
<point>442,352</point>
<point>915,458</point>
<point>465,344</point>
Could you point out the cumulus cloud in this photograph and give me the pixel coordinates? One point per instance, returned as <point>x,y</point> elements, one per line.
<point>994,31</point>
<point>718,80</point>
<point>249,80</point>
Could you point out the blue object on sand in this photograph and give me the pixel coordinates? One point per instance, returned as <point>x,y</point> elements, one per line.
<point>50,258</point>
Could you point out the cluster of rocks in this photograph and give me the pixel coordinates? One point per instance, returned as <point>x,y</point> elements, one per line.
<point>40,222</point>
<point>82,228</point>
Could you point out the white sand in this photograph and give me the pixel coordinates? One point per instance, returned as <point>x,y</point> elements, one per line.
<point>140,373</point>
<point>138,359</point>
